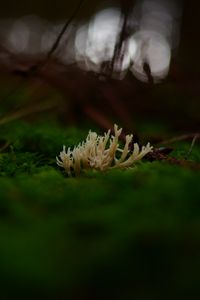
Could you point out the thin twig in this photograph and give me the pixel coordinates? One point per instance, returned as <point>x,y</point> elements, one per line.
<point>27,111</point>
<point>179,138</point>
<point>121,39</point>
<point>66,25</point>
<point>192,146</point>
<point>147,70</point>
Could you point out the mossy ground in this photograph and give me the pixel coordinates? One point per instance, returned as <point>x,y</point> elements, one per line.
<point>124,233</point>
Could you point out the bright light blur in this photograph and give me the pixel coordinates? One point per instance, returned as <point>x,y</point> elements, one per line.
<point>153,34</point>
<point>26,34</point>
<point>95,42</point>
<point>156,37</point>
<point>19,37</point>
<point>31,35</point>
<point>153,49</point>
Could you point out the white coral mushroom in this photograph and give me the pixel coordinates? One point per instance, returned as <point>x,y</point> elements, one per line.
<point>95,154</point>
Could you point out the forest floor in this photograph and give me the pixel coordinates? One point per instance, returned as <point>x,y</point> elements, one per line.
<point>124,232</point>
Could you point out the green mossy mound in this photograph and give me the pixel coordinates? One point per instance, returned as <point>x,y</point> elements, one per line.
<point>130,233</point>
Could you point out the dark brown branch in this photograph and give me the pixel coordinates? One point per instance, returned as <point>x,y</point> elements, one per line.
<point>180,138</point>
<point>159,156</point>
<point>147,70</point>
<point>121,39</point>
<point>98,117</point>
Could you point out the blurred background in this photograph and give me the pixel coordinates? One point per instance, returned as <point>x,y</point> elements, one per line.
<point>132,56</point>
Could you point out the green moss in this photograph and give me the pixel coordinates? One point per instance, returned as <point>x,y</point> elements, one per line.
<point>130,232</point>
